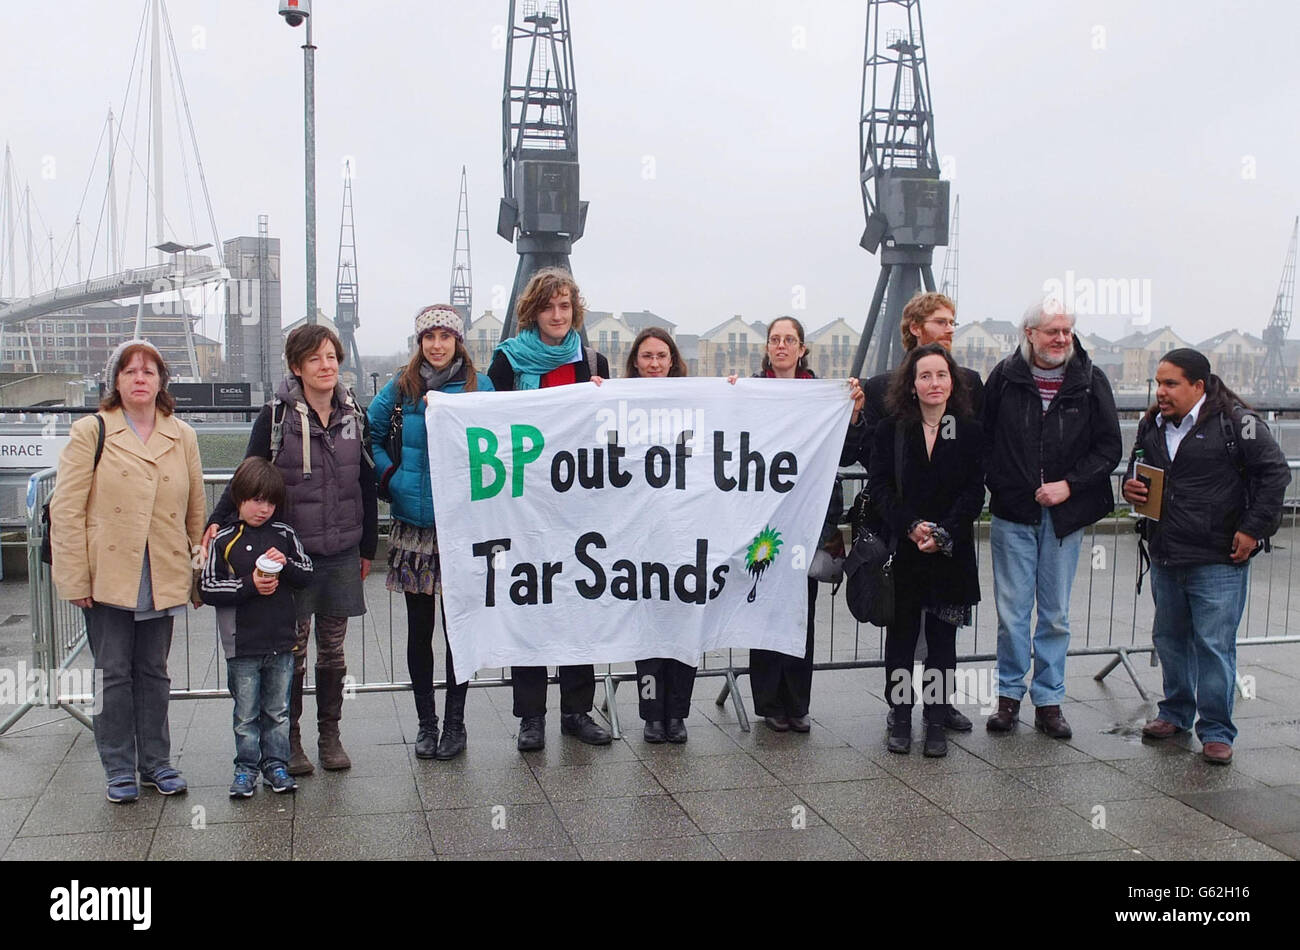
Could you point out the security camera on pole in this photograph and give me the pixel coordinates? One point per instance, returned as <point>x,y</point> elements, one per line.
<point>295,13</point>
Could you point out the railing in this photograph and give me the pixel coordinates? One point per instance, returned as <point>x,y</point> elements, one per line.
<point>1108,618</point>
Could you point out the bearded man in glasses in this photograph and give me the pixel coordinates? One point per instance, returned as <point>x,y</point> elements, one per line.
<point>1052,441</point>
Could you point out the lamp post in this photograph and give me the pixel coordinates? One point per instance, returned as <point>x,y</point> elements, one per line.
<point>295,13</point>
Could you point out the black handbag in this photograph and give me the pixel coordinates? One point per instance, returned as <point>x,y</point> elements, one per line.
<point>868,569</point>
<point>393,447</point>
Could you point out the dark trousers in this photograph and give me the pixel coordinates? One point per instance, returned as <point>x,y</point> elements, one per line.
<point>900,651</point>
<point>664,688</point>
<point>577,689</point>
<point>783,684</point>
<point>131,728</point>
<point>419,646</point>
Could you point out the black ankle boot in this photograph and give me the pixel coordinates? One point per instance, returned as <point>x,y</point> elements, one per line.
<point>936,743</point>
<point>426,739</point>
<point>900,733</point>
<point>453,739</point>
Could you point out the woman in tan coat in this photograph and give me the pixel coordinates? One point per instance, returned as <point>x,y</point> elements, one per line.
<point>125,525</point>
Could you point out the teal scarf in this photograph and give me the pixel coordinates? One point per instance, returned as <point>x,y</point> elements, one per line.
<point>532,359</point>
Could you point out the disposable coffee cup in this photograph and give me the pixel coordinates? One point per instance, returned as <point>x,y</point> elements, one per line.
<point>266,567</point>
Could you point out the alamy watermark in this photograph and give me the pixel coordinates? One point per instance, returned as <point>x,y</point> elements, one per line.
<point>1103,297</point>
<point>22,684</point>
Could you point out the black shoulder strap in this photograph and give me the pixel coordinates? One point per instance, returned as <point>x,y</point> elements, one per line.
<point>277,426</point>
<point>99,446</point>
<point>1229,428</point>
<point>591,359</point>
<point>364,422</point>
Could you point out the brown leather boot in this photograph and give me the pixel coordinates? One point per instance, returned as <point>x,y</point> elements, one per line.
<point>299,764</point>
<point>1048,720</point>
<point>329,709</point>
<point>1007,716</point>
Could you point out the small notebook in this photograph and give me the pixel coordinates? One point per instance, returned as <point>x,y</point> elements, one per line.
<point>1155,482</point>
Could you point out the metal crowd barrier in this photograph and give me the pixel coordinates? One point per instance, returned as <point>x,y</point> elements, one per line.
<point>1108,618</point>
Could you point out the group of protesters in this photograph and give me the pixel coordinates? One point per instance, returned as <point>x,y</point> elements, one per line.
<point>296,530</point>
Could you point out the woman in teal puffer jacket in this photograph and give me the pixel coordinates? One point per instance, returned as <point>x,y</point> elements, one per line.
<point>440,363</point>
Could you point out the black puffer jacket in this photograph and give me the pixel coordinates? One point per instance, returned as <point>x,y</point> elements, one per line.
<point>1209,495</point>
<point>1076,440</point>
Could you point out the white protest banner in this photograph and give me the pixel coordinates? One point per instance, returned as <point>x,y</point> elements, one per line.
<point>642,518</point>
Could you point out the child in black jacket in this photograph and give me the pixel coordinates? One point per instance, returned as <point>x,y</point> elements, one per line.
<point>247,563</point>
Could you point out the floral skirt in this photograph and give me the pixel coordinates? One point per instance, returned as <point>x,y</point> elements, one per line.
<point>413,559</point>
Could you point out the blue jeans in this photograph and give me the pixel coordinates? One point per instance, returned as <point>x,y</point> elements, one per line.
<point>260,685</point>
<point>1198,610</point>
<point>1030,562</point>
<point>131,726</point>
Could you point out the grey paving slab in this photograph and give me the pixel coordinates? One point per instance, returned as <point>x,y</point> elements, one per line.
<point>840,764</point>
<point>692,848</point>
<point>1149,821</point>
<point>83,776</point>
<point>213,805</point>
<point>65,813</point>
<point>94,846</point>
<point>748,809</point>
<point>920,839</point>
<point>499,828</point>
<point>1291,789</point>
<point>30,781</point>
<point>1038,832</point>
<point>808,844</point>
<point>329,794</point>
<point>569,853</point>
<point>23,750</point>
<point>470,788</point>
<point>1019,749</point>
<point>570,783</point>
<point>915,766</point>
<point>1253,811</point>
<point>710,772</point>
<point>82,748</point>
<point>864,802</point>
<point>360,837</point>
<point>1128,855</point>
<point>1228,849</point>
<point>1288,844</point>
<point>1083,782</point>
<point>1116,685</point>
<point>13,812</point>
<point>230,841</point>
<point>1186,773</point>
<point>761,738</point>
<point>1280,766</point>
<point>205,764</point>
<point>566,750</point>
<point>624,819</point>
<point>704,738</point>
<point>978,791</point>
<point>491,754</point>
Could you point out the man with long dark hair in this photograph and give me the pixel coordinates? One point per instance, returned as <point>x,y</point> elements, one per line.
<point>1223,485</point>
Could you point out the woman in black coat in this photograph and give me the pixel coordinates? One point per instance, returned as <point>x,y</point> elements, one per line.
<point>932,514</point>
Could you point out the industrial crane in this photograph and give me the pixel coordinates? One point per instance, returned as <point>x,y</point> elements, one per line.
<point>462,290</point>
<point>346,290</point>
<point>952,260</point>
<point>540,212</point>
<point>1272,380</point>
<point>905,201</point>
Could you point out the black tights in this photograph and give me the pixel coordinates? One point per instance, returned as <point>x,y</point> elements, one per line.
<point>420,619</point>
<point>900,652</point>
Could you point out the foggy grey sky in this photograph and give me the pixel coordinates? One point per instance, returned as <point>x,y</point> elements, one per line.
<point>1172,154</point>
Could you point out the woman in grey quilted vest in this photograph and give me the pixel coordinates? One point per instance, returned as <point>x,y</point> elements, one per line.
<point>320,449</point>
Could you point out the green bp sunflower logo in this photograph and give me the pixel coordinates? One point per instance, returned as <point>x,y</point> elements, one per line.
<point>761,553</point>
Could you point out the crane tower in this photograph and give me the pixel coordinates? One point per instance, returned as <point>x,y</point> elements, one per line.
<point>346,289</point>
<point>540,212</point>
<point>905,201</point>
<point>462,289</point>
<point>1272,381</point>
